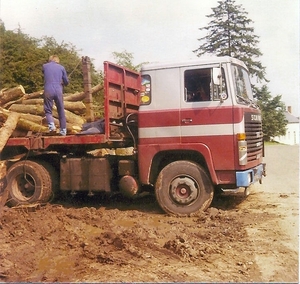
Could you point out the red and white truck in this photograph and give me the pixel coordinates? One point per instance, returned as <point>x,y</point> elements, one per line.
<point>188,129</point>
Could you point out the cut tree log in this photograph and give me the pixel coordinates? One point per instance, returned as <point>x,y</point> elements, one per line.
<point>81,96</point>
<point>28,125</point>
<point>7,102</point>
<point>22,123</point>
<point>25,97</point>
<point>74,97</point>
<point>9,126</point>
<point>36,123</point>
<point>31,109</point>
<point>34,95</point>
<point>11,94</point>
<point>36,118</point>
<point>5,132</point>
<point>29,122</point>
<point>39,110</point>
<point>75,107</point>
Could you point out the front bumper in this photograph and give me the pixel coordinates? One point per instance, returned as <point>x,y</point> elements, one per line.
<point>248,177</point>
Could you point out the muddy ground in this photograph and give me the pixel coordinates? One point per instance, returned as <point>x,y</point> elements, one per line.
<point>236,240</point>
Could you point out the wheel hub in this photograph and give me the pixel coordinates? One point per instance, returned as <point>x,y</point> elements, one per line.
<point>184,190</point>
<point>24,186</point>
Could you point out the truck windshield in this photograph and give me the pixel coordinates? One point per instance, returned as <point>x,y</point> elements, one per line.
<point>242,85</point>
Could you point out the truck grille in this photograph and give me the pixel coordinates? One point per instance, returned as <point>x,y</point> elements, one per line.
<point>254,136</point>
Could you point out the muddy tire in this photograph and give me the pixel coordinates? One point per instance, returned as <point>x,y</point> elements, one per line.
<point>29,182</point>
<point>183,188</point>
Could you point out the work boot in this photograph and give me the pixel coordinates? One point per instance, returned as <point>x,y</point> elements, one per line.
<point>63,132</point>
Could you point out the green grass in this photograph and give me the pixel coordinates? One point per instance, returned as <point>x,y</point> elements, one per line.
<point>272,143</point>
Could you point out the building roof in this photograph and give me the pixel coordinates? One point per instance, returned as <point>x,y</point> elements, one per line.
<point>291,118</point>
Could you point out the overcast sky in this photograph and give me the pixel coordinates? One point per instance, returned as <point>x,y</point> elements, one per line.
<point>161,30</point>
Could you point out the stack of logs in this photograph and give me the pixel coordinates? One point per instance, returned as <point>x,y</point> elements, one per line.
<point>30,110</point>
<point>21,113</point>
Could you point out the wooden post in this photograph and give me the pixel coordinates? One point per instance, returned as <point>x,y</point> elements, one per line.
<point>87,84</point>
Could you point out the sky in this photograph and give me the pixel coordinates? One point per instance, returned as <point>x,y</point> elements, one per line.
<point>161,30</point>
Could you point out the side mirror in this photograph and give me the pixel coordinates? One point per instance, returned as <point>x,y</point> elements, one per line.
<point>218,80</point>
<point>217,76</point>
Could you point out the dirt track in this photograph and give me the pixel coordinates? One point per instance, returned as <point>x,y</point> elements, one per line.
<point>236,240</point>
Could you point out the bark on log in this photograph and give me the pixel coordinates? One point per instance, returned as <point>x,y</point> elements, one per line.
<point>39,110</point>
<point>11,94</point>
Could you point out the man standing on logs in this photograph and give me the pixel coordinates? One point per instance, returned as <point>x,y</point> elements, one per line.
<point>55,77</point>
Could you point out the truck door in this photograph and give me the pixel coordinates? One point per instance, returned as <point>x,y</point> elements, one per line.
<point>206,114</point>
<point>196,104</point>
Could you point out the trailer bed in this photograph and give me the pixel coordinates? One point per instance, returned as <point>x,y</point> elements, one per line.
<point>36,142</point>
<point>121,100</point>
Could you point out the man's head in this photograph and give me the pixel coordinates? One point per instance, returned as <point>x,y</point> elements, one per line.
<point>54,58</point>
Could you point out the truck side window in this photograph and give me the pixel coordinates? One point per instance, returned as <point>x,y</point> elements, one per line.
<point>197,85</point>
<point>146,90</point>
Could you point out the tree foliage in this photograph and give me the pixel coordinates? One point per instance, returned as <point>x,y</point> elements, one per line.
<point>125,59</point>
<point>229,34</point>
<point>21,60</point>
<point>22,57</point>
<point>273,113</point>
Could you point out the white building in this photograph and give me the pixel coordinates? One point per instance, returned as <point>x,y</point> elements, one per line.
<point>292,130</point>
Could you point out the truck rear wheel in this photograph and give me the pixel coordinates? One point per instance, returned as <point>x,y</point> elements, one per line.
<point>29,182</point>
<point>183,188</point>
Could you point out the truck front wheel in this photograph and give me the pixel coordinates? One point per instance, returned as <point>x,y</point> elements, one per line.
<point>29,182</point>
<point>183,188</point>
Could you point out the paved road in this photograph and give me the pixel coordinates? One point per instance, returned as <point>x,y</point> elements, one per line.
<point>277,254</point>
<point>282,169</point>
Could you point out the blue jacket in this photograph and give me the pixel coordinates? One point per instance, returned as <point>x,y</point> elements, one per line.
<point>55,76</point>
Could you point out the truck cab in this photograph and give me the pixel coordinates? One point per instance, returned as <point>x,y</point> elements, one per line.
<point>198,116</point>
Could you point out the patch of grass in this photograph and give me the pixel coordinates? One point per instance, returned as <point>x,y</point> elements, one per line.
<point>272,143</point>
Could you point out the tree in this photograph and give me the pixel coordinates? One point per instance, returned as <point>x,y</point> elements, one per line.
<point>273,113</point>
<point>125,59</point>
<point>229,33</point>
<point>22,58</point>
